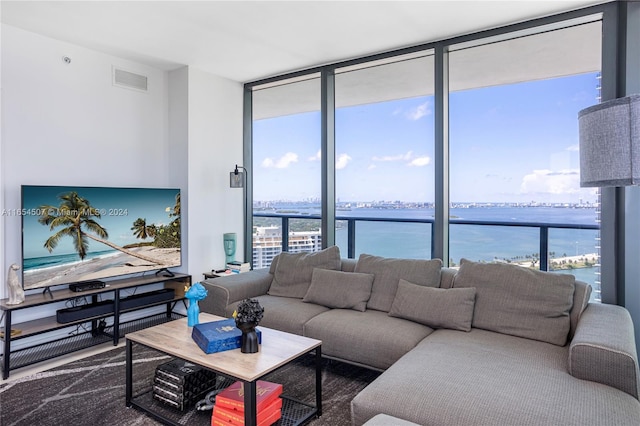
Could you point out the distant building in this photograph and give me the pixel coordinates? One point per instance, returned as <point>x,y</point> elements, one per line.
<point>267,244</point>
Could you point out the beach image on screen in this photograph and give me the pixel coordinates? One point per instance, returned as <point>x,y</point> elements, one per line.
<point>74,234</point>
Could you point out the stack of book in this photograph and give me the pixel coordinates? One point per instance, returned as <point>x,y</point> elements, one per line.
<point>237,267</point>
<point>229,406</point>
<point>180,384</point>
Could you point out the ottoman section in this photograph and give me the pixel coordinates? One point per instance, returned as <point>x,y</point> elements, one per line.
<point>371,338</point>
<point>487,378</point>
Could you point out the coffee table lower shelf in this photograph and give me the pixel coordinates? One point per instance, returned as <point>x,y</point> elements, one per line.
<point>294,412</point>
<point>174,338</point>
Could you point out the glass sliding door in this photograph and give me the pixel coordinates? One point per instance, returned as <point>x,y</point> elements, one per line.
<point>514,149</point>
<point>286,170</point>
<point>384,156</point>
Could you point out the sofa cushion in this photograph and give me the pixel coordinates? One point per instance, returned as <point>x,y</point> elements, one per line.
<point>371,338</point>
<point>436,307</point>
<point>519,301</point>
<point>337,289</point>
<point>348,265</point>
<point>293,272</point>
<point>285,313</point>
<point>274,264</point>
<point>389,271</point>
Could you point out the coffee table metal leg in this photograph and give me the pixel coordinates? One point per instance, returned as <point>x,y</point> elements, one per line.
<point>129,372</point>
<point>250,411</point>
<point>319,381</point>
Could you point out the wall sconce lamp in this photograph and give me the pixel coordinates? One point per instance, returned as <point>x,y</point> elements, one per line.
<point>610,143</point>
<point>236,177</point>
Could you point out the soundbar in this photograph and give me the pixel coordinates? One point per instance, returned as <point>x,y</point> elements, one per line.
<point>80,312</point>
<point>77,313</point>
<point>86,285</point>
<point>146,298</point>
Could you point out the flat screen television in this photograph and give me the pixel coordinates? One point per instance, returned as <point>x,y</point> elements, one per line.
<point>75,234</point>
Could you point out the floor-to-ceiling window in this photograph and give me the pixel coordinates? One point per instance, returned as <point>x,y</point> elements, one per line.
<point>510,164</point>
<point>286,168</point>
<point>384,156</point>
<point>514,148</point>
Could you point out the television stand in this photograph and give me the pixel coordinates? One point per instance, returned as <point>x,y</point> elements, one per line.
<point>47,290</point>
<point>86,332</point>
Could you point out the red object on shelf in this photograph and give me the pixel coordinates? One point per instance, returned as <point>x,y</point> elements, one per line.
<point>233,396</point>
<point>267,416</point>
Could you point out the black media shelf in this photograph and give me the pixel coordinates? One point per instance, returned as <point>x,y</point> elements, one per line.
<point>146,322</point>
<point>44,351</point>
<point>83,333</point>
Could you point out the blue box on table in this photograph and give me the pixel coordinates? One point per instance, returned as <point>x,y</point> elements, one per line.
<point>218,336</point>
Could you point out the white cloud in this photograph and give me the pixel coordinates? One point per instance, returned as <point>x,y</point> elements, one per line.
<point>546,181</point>
<point>316,157</point>
<point>409,158</point>
<point>342,161</point>
<point>573,148</point>
<point>282,162</point>
<point>418,112</point>
<point>399,157</point>
<point>371,167</point>
<point>420,161</point>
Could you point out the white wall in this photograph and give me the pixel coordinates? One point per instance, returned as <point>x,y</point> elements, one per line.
<point>205,116</point>
<point>66,124</point>
<point>178,117</point>
<point>215,147</point>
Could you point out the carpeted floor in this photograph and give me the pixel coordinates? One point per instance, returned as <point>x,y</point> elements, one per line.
<point>91,391</point>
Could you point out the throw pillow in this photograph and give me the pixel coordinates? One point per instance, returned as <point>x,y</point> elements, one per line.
<point>274,264</point>
<point>519,301</point>
<point>339,290</point>
<point>293,272</point>
<point>435,307</point>
<point>389,271</point>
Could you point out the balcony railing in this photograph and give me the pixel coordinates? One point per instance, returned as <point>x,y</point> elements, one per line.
<point>351,229</point>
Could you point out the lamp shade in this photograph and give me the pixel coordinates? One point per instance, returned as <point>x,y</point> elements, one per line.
<point>610,143</point>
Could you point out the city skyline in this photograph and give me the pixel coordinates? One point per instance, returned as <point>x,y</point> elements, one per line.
<point>511,143</point>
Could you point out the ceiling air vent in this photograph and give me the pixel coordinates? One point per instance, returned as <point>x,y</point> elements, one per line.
<point>129,80</point>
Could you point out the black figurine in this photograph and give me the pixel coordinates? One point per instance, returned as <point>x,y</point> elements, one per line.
<point>248,316</point>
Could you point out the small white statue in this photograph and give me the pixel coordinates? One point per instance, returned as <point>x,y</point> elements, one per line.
<point>16,293</point>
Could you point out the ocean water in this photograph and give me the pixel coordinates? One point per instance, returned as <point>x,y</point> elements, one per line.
<point>33,263</point>
<point>479,242</point>
<point>473,242</point>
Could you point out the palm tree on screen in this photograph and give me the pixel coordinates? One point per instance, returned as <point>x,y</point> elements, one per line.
<point>76,217</point>
<point>142,230</point>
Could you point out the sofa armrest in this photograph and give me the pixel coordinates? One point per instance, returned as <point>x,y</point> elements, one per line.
<point>603,348</point>
<point>223,291</point>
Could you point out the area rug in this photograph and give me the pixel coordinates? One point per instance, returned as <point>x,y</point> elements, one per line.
<point>91,391</point>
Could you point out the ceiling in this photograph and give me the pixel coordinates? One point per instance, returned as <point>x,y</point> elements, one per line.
<point>250,40</point>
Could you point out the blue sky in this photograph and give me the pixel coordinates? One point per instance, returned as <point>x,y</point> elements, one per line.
<point>512,143</point>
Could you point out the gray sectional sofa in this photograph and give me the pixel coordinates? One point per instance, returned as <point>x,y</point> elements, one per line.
<point>488,344</point>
